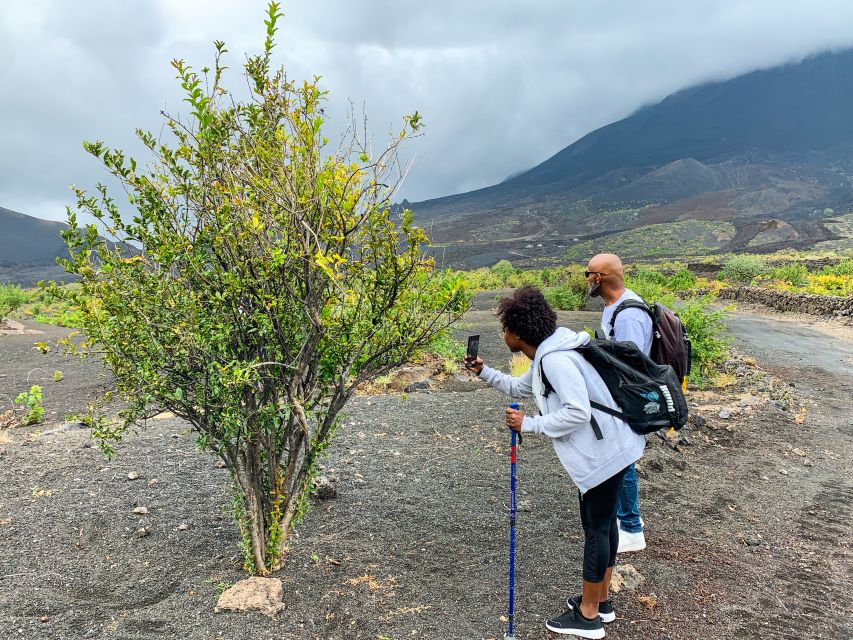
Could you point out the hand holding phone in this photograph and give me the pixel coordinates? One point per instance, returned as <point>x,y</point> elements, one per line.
<point>471,353</point>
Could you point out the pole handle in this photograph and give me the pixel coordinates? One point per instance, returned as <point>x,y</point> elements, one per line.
<point>516,406</point>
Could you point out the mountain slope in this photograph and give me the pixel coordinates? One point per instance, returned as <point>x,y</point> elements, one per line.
<point>771,144</point>
<point>30,246</point>
<point>30,241</point>
<point>795,108</point>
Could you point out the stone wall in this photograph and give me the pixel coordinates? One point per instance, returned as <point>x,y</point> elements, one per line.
<point>712,269</point>
<point>787,301</point>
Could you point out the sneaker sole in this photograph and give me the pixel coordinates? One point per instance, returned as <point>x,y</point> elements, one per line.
<point>630,548</point>
<point>581,633</point>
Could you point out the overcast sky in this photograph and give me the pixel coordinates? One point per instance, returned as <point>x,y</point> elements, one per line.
<point>502,84</point>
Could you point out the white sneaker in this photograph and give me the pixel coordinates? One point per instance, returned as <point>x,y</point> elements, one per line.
<point>631,541</point>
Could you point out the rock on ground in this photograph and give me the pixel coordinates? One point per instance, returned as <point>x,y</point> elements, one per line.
<point>252,594</point>
<point>625,577</point>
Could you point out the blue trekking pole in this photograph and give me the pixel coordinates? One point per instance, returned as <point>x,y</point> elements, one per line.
<point>512,479</point>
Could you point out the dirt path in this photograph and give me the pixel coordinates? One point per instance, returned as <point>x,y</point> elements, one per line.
<point>794,342</point>
<point>748,517</point>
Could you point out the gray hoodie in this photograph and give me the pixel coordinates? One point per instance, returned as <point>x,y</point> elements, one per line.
<point>566,411</point>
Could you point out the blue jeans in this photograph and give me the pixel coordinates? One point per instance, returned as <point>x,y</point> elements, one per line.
<point>628,503</point>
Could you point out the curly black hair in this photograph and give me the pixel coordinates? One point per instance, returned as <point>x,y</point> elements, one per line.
<point>528,315</point>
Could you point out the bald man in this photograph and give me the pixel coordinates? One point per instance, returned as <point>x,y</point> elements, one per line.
<point>605,277</point>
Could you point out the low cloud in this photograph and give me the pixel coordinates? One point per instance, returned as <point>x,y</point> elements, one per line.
<point>501,85</point>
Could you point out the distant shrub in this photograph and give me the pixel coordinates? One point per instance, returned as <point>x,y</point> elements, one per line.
<point>444,345</point>
<point>647,275</point>
<point>743,268</point>
<point>843,268</point>
<point>503,269</point>
<point>482,280</point>
<point>59,305</point>
<point>11,297</point>
<point>503,274</point>
<point>573,278</point>
<point>829,285</point>
<point>681,280</point>
<point>646,283</point>
<point>795,273</point>
<point>564,298</point>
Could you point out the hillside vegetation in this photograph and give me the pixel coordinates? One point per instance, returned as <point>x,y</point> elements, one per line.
<point>756,154</point>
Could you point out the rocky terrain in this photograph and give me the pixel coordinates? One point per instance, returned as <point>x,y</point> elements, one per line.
<point>752,163</point>
<point>748,513</point>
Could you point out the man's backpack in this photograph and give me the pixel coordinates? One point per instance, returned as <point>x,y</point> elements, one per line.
<point>670,343</point>
<point>648,394</point>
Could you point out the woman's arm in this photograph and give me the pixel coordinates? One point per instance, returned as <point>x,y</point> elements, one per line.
<point>520,387</point>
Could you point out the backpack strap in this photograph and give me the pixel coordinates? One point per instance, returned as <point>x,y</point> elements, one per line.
<point>595,428</point>
<point>630,303</point>
<point>592,421</point>
<point>603,407</point>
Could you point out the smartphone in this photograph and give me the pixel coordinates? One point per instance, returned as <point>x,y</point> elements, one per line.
<point>473,348</point>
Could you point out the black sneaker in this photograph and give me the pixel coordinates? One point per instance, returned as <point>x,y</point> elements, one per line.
<point>572,622</point>
<point>605,609</point>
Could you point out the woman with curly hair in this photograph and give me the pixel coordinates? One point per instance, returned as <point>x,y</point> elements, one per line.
<point>594,447</point>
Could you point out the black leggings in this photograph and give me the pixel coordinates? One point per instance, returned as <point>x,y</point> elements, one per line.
<point>601,536</point>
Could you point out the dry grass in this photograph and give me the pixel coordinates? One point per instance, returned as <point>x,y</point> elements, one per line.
<point>519,364</point>
<point>8,420</point>
<point>723,380</point>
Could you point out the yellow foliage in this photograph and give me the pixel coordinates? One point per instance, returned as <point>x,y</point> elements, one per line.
<point>827,284</point>
<point>519,364</point>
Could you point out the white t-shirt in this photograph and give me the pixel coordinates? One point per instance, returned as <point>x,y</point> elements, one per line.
<point>632,325</point>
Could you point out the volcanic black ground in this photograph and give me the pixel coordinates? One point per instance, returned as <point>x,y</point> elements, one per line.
<point>748,517</point>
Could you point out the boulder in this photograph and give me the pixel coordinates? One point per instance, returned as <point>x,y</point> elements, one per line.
<point>252,594</point>
<point>625,577</point>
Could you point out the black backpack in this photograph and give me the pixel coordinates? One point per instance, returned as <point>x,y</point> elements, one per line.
<point>649,394</point>
<point>670,343</point>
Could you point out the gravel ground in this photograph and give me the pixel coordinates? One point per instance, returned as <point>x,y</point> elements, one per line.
<point>748,519</point>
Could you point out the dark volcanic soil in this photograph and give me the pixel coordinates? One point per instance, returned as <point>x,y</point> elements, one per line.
<point>748,519</point>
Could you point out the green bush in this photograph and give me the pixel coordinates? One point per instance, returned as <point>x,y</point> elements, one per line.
<point>33,401</point>
<point>573,278</point>
<point>482,280</point>
<point>564,298</point>
<point>796,274</point>
<point>681,280</point>
<point>503,269</point>
<point>843,268</point>
<point>59,305</point>
<point>743,268</point>
<point>276,280</point>
<point>503,274</point>
<point>647,284</point>
<point>707,332</point>
<point>646,275</point>
<point>445,346</point>
<point>11,297</point>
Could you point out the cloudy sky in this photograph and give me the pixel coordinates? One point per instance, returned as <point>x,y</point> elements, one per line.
<point>501,84</point>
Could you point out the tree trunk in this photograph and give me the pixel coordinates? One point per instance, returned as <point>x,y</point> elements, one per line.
<point>248,493</point>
